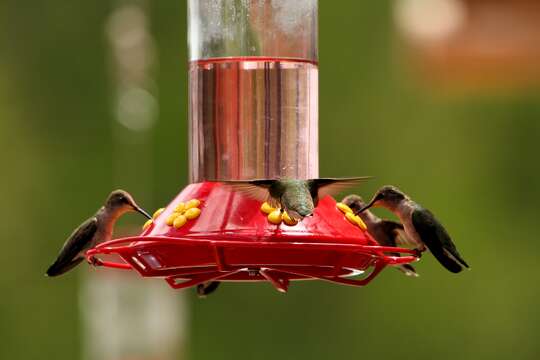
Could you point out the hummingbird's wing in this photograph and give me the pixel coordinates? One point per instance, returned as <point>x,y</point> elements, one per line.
<point>402,239</point>
<point>396,237</point>
<point>434,235</point>
<point>319,188</point>
<point>256,189</point>
<point>397,232</point>
<point>389,229</point>
<point>76,242</point>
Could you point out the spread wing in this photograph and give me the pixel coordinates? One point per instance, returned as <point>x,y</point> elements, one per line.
<point>319,188</point>
<point>437,240</point>
<point>402,239</point>
<point>76,242</point>
<point>397,237</point>
<point>396,234</point>
<point>255,189</point>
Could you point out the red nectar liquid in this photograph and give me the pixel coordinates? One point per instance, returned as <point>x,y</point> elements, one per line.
<point>253,117</point>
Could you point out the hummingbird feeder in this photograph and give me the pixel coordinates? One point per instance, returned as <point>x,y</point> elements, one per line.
<point>253,82</point>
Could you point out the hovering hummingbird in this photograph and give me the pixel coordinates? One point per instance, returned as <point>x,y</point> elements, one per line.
<point>386,232</point>
<point>93,231</point>
<point>420,225</point>
<point>207,288</point>
<point>297,197</point>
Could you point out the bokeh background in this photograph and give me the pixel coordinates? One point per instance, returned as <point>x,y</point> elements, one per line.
<point>393,103</point>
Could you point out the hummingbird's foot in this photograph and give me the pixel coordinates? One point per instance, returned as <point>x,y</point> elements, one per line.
<point>207,288</point>
<point>94,261</point>
<point>418,252</point>
<point>201,293</point>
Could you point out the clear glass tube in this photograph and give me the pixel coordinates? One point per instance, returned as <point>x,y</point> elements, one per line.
<point>237,28</point>
<point>253,89</point>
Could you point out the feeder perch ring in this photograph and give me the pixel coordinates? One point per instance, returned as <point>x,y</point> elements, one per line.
<point>232,240</point>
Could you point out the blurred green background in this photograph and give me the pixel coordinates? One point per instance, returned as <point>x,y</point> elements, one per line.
<point>471,158</point>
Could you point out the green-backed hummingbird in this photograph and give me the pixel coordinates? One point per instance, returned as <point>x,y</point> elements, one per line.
<point>420,225</point>
<point>385,232</point>
<point>93,231</point>
<point>297,197</point>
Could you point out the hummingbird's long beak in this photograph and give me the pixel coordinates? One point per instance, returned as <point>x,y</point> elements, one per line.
<point>367,206</point>
<point>140,210</point>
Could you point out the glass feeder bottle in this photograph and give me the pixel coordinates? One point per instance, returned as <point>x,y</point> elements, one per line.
<point>253,78</point>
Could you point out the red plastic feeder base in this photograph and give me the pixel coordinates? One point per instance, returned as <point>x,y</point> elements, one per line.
<point>232,240</point>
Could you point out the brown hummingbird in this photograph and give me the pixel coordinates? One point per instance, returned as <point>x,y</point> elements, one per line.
<point>385,232</point>
<point>93,231</point>
<point>420,225</point>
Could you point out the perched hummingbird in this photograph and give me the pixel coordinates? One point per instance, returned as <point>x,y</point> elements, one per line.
<point>93,231</point>
<point>386,232</point>
<point>420,226</point>
<point>297,197</point>
<point>207,288</point>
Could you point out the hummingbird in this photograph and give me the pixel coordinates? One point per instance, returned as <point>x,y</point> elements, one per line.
<point>207,288</point>
<point>385,232</point>
<point>95,230</point>
<point>297,197</point>
<point>420,226</point>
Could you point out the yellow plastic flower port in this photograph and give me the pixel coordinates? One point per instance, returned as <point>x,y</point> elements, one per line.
<point>184,212</point>
<point>275,217</point>
<point>180,207</point>
<point>170,219</point>
<point>349,214</point>
<point>180,221</point>
<point>157,213</point>
<point>360,222</point>
<point>192,213</point>
<point>344,208</point>
<point>356,220</point>
<point>266,208</point>
<point>288,220</point>
<point>352,218</point>
<point>194,203</point>
<point>147,224</point>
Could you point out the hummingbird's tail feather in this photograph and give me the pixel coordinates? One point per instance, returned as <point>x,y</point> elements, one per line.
<point>437,240</point>
<point>72,251</point>
<point>61,267</point>
<point>453,253</point>
<point>447,261</point>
